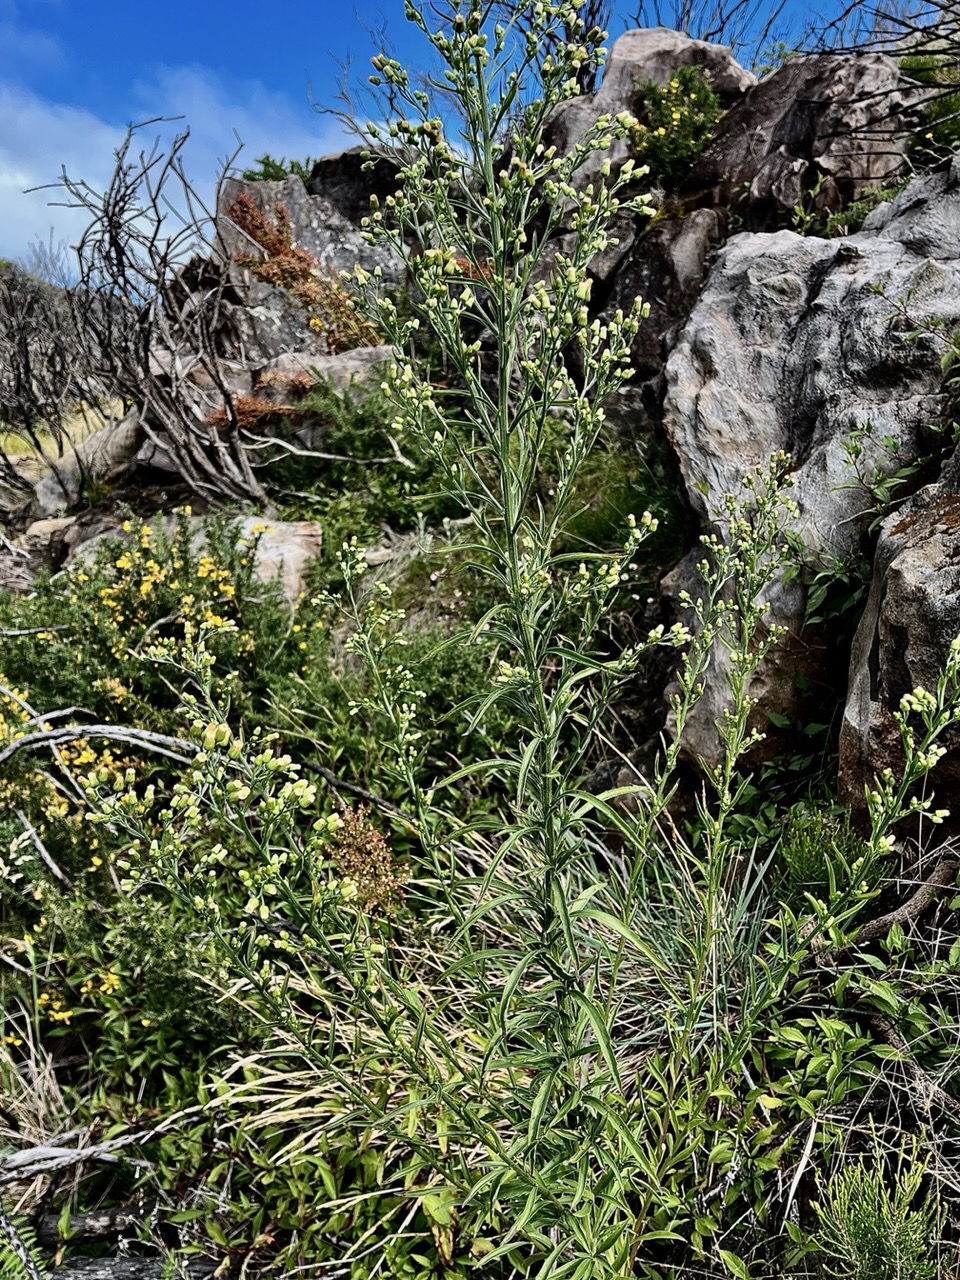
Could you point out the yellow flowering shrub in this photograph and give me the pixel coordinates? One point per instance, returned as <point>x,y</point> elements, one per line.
<point>675,122</point>
<point>154,580</point>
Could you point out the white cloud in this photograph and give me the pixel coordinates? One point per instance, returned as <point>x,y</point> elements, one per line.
<point>283,124</point>
<point>22,46</point>
<point>39,137</point>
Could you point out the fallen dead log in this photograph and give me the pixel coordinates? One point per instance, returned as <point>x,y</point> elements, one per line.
<point>89,1228</point>
<point>52,1157</point>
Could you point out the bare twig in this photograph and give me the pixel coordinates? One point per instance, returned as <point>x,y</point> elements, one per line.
<point>337,785</point>
<point>41,848</point>
<point>36,718</point>
<point>745,25</point>
<point>943,875</point>
<point>50,1157</point>
<point>150,304</point>
<point>272,442</point>
<point>44,373</point>
<point>9,633</point>
<point>14,550</point>
<point>154,626</point>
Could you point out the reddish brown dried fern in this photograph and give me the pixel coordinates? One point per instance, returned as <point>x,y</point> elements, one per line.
<point>317,288</point>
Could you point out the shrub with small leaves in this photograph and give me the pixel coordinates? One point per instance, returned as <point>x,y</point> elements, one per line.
<point>675,122</point>
<point>875,1222</point>
<point>939,70</point>
<point>270,169</point>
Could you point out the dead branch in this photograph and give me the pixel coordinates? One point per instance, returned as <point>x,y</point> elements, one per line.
<point>51,1157</point>
<point>9,633</point>
<point>12,549</point>
<point>745,25</point>
<point>285,446</point>
<point>142,739</point>
<point>87,1227</point>
<point>943,875</point>
<point>44,853</point>
<point>337,786</point>
<point>44,373</point>
<point>152,335</point>
<point>36,718</point>
<point>931,1092</point>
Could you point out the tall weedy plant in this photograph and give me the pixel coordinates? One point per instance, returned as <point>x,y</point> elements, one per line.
<point>568,1033</point>
<point>577,976</point>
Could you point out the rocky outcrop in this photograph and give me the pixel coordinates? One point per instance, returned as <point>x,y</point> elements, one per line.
<point>348,179</point>
<point>911,616</point>
<point>762,342</point>
<point>653,54</point>
<point>284,550</point>
<point>266,320</point>
<point>281,381</point>
<point>260,344</point>
<point>793,345</point>
<point>666,267</point>
<point>346,371</point>
<point>835,123</point>
<point>104,456</point>
<point>816,134</point>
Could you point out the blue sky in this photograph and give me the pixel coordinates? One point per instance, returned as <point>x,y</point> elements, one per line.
<point>74,73</point>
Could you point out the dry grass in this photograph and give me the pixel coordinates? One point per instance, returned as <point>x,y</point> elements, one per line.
<point>78,424</point>
<point>33,1109</point>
